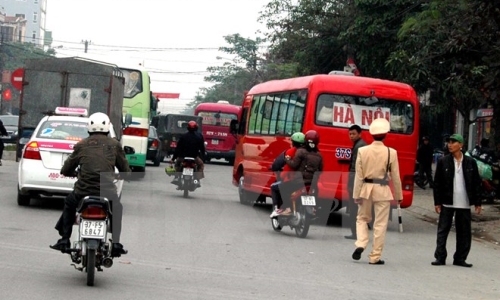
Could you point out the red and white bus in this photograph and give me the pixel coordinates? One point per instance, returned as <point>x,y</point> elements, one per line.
<point>329,104</point>
<point>217,117</point>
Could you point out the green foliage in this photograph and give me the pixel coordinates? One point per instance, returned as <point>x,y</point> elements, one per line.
<point>448,47</point>
<point>13,55</point>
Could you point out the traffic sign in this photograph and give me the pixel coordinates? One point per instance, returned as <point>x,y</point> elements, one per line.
<point>17,79</point>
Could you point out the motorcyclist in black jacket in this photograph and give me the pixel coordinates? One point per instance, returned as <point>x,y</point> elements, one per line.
<point>96,156</point>
<point>190,144</point>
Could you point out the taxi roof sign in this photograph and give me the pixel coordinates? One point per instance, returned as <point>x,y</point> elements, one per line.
<point>71,111</point>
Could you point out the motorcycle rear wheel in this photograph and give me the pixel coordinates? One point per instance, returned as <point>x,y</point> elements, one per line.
<point>303,227</point>
<point>186,193</point>
<point>91,253</point>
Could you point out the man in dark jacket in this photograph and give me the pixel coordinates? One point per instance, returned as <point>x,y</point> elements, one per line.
<point>355,137</point>
<point>3,132</point>
<point>456,187</point>
<point>425,154</point>
<point>190,144</point>
<point>96,156</point>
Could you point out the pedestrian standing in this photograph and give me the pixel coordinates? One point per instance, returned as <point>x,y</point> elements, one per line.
<point>371,189</point>
<point>425,154</point>
<point>355,137</point>
<point>456,187</point>
<point>3,132</point>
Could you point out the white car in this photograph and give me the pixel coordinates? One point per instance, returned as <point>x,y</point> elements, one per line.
<point>44,155</point>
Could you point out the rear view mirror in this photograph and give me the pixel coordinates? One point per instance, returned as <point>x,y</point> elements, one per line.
<point>128,120</point>
<point>128,150</point>
<point>233,126</point>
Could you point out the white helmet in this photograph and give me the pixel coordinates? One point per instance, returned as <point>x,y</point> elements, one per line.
<point>98,122</point>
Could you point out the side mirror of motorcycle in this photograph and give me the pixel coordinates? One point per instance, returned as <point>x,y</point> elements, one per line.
<point>128,150</point>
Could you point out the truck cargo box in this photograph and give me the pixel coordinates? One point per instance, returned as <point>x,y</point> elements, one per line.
<point>71,82</point>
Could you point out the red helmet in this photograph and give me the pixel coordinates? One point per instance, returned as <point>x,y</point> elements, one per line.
<point>312,139</point>
<point>192,126</point>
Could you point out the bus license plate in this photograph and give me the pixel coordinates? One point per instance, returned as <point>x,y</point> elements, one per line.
<point>92,229</point>
<point>215,142</point>
<point>187,171</point>
<point>308,200</point>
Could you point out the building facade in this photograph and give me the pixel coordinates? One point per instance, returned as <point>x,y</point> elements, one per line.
<point>34,14</point>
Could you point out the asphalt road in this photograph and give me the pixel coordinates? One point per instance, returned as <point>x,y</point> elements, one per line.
<point>212,247</point>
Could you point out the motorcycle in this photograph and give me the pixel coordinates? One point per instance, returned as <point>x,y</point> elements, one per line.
<point>489,172</point>
<point>90,246</point>
<point>303,211</point>
<point>187,182</point>
<point>416,177</point>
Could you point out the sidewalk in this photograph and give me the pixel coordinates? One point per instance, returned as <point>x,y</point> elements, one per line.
<point>485,226</point>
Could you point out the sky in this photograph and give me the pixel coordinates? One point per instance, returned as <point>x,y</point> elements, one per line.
<point>175,40</point>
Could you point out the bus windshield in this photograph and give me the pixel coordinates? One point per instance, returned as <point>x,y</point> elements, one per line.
<point>133,83</point>
<point>345,110</point>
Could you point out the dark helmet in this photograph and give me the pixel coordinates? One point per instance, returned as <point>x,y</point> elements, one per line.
<point>312,139</point>
<point>192,126</point>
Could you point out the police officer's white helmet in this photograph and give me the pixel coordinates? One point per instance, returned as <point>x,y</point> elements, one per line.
<point>98,122</point>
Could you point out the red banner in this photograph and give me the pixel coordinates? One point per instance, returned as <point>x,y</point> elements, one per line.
<point>166,95</point>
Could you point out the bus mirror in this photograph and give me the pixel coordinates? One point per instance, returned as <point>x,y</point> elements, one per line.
<point>128,120</point>
<point>233,127</point>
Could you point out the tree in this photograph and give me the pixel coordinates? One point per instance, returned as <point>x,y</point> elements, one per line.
<point>452,48</point>
<point>13,55</point>
<point>250,66</point>
<point>306,34</point>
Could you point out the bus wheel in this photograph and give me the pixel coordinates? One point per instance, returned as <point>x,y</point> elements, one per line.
<point>245,196</point>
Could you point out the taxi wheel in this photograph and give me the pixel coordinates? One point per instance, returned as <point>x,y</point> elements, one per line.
<point>23,200</point>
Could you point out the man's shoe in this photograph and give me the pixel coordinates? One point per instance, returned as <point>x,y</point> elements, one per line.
<point>118,250</point>
<point>438,262</point>
<point>351,237</point>
<point>462,264</point>
<point>357,253</point>
<point>61,245</point>
<point>378,262</point>
<point>176,181</point>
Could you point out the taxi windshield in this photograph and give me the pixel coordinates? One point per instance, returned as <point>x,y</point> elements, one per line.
<point>63,130</point>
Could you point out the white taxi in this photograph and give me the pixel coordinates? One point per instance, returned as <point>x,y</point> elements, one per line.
<point>43,156</point>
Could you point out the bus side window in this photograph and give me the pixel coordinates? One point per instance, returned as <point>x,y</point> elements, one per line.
<point>282,114</point>
<point>266,114</point>
<point>274,114</point>
<point>289,130</point>
<point>252,123</point>
<point>264,117</point>
<point>324,111</point>
<point>298,115</point>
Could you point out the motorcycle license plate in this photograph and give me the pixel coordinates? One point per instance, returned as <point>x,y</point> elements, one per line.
<point>187,171</point>
<point>308,200</point>
<point>92,229</point>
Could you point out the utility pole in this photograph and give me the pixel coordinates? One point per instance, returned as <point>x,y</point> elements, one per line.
<point>86,43</point>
